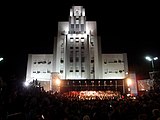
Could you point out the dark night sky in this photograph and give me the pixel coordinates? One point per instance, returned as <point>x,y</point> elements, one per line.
<point>130,28</point>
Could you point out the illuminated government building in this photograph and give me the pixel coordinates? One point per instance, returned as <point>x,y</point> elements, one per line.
<point>77,60</point>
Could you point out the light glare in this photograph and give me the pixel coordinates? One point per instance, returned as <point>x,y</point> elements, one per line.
<point>1,59</point>
<point>155,58</point>
<point>129,82</point>
<point>26,84</point>
<point>58,82</point>
<point>148,58</point>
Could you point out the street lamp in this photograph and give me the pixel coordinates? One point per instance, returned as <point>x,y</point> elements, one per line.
<point>151,59</point>
<point>153,73</point>
<point>1,58</point>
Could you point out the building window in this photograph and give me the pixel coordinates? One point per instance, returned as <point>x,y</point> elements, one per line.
<point>77,53</point>
<point>120,61</point>
<point>77,70</point>
<point>77,39</point>
<point>82,39</point>
<point>77,25</point>
<point>71,53</point>
<point>71,39</point>
<point>120,71</point>
<point>92,61</point>
<point>72,26</point>
<point>82,70</point>
<point>82,27</point>
<point>71,59</point>
<point>61,71</point>
<point>92,71</point>
<point>82,59</point>
<point>77,59</point>
<point>62,61</point>
<point>48,71</point>
<point>115,61</point>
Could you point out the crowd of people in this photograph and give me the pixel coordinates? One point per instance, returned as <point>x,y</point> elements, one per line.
<point>36,104</point>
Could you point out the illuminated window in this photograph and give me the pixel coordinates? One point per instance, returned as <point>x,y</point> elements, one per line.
<point>77,39</point>
<point>82,39</point>
<point>71,39</point>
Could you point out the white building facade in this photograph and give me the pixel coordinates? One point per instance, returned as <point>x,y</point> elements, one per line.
<point>77,55</point>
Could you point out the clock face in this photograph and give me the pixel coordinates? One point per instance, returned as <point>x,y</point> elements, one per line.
<point>77,12</point>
